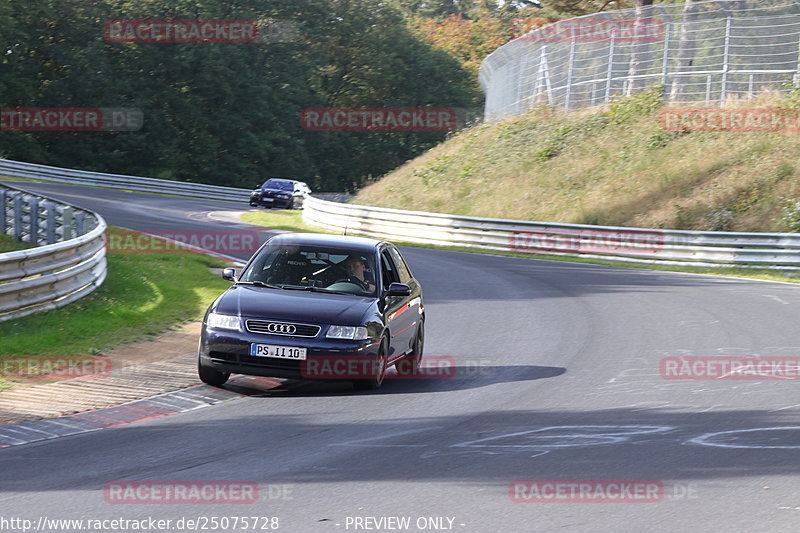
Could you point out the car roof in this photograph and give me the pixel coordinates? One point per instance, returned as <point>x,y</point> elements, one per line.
<point>361,244</point>
<point>279,179</point>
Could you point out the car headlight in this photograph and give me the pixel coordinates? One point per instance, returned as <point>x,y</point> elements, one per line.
<point>216,320</point>
<point>347,332</point>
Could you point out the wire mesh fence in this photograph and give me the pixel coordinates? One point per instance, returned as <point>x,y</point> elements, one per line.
<point>700,52</point>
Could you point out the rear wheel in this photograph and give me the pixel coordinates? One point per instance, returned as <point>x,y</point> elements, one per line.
<point>376,381</point>
<point>409,364</point>
<point>210,376</point>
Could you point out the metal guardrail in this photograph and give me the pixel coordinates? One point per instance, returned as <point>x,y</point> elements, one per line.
<point>701,52</point>
<point>67,263</point>
<point>696,248</point>
<point>119,181</point>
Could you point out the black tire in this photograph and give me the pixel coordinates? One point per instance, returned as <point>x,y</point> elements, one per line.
<point>409,365</point>
<point>377,381</point>
<point>212,377</point>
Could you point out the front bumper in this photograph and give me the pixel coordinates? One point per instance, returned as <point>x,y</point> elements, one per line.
<point>229,351</point>
<point>270,201</point>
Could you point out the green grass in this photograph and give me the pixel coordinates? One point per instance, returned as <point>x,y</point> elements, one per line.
<point>292,221</point>
<point>143,295</point>
<point>10,244</point>
<point>288,220</point>
<point>13,178</point>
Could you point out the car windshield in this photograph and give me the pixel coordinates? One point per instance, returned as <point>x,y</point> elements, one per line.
<point>278,184</point>
<point>313,268</point>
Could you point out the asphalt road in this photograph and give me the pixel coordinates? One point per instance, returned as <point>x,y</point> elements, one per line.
<point>558,379</point>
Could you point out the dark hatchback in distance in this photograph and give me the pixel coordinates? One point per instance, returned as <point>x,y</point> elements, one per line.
<point>312,306</point>
<point>280,193</point>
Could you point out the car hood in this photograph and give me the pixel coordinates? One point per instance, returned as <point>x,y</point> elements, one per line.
<point>300,306</point>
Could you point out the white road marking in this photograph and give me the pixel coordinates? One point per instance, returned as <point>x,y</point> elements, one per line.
<point>708,439</point>
<point>784,408</point>
<point>366,442</point>
<point>574,436</point>
<point>779,300</point>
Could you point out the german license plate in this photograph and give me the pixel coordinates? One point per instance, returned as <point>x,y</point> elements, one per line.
<point>281,352</point>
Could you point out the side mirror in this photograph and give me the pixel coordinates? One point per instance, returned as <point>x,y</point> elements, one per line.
<point>229,274</point>
<point>398,289</point>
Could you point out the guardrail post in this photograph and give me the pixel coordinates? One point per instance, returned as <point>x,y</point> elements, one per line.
<point>3,211</point>
<point>18,216</point>
<point>33,217</point>
<point>51,223</point>
<point>66,224</point>
<point>80,224</point>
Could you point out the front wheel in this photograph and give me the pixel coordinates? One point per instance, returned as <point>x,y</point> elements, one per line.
<point>210,376</point>
<point>381,362</point>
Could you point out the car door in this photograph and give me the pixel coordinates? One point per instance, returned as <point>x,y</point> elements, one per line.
<point>400,316</point>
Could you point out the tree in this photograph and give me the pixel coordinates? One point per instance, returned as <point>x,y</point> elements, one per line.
<point>686,51</point>
<point>218,112</point>
<point>641,48</point>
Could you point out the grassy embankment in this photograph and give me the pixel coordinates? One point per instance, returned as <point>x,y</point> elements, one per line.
<point>143,295</point>
<point>615,167</point>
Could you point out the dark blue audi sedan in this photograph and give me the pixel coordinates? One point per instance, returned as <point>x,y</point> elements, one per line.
<point>312,306</point>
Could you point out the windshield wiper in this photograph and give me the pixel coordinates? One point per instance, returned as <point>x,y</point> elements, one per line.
<point>321,289</point>
<point>258,284</point>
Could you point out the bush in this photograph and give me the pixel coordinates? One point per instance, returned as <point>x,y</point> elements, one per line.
<point>625,108</point>
<point>791,216</point>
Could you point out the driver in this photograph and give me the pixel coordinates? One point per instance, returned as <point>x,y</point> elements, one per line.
<point>355,266</point>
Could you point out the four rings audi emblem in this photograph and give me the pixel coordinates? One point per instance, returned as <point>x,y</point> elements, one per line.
<point>285,329</point>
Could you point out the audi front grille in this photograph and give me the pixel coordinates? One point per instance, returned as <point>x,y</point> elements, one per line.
<point>288,329</point>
